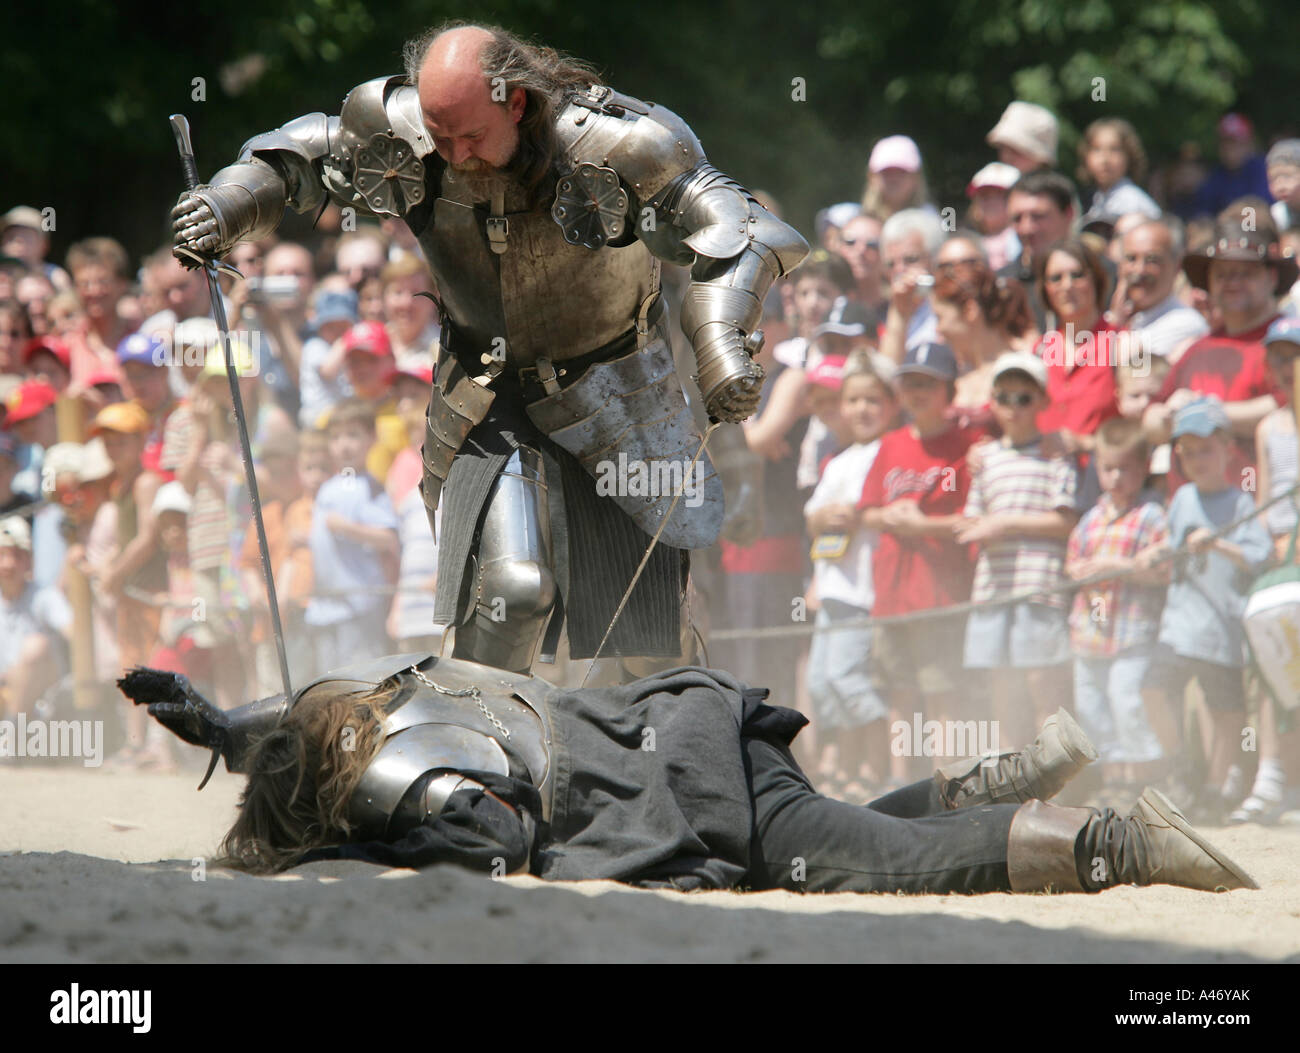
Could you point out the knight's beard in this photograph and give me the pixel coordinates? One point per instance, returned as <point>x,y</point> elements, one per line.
<point>481,180</point>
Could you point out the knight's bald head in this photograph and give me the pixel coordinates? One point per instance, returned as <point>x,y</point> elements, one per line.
<point>452,68</point>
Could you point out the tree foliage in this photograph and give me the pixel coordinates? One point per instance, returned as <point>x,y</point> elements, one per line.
<point>89,83</point>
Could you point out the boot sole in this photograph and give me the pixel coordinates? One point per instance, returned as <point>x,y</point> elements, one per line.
<point>1168,811</point>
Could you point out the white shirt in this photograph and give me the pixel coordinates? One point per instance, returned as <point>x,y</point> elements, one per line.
<point>1168,325</point>
<point>847,579</point>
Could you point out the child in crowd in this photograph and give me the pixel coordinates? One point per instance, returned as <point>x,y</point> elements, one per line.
<point>354,546</point>
<point>411,391</point>
<point>1201,633</point>
<point>914,495</point>
<point>277,475</point>
<point>1283,161</point>
<point>33,623</point>
<point>1111,158</point>
<point>410,618</point>
<point>849,712</point>
<point>321,378</point>
<point>822,282</point>
<point>989,191</point>
<point>1114,623</point>
<point>49,359</point>
<point>1020,510</point>
<point>177,650</point>
<point>1276,455</point>
<point>1137,383</point>
<point>293,577</point>
<point>201,448</point>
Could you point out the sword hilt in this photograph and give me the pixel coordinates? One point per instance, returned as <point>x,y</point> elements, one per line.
<point>181,129</point>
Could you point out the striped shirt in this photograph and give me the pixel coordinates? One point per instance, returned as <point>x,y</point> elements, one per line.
<point>1116,615</point>
<point>209,523</point>
<point>1019,480</point>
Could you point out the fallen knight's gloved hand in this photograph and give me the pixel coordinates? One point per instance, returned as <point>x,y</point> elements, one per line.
<point>174,703</point>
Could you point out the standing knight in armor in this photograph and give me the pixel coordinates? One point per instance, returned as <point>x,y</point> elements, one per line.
<point>681,779</point>
<point>544,202</point>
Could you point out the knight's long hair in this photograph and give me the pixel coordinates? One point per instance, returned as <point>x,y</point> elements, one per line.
<point>547,76</point>
<point>301,778</point>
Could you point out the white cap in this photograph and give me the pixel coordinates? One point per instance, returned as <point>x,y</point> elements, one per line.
<point>95,462</point>
<point>63,458</point>
<point>196,332</point>
<point>895,151</point>
<point>171,497</point>
<point>995,174</point>
<point>15,533</point>
<point>1021,362</point>
<point>1029,128</point>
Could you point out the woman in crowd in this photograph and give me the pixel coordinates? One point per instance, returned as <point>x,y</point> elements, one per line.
<point>1080,350</point>
<point>980,316</point>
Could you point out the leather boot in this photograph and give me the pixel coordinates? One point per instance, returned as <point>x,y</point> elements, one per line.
<point>1084,849</point>
<point>1155,845</point>
<point>1037,772</point>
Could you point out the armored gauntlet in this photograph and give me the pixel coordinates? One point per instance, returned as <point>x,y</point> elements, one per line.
<point>245,200</point>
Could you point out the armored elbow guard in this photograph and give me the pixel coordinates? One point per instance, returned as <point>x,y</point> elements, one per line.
<point>740,250</point>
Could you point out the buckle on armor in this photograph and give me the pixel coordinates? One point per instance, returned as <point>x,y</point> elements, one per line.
<point>544,370</point>
<point>498,230</point>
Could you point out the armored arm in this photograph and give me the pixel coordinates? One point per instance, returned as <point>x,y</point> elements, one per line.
<point>174,703</point>
<point>368,157</point>
<point>247,199</point>
<point>735,248</point>
<point>739,250</point>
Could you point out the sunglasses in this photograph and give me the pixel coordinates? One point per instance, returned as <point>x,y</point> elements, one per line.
<point>870,243</point>
<point>1016,399</point>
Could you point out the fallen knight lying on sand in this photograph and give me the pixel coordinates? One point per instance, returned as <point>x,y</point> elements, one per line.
<point>683,779</point>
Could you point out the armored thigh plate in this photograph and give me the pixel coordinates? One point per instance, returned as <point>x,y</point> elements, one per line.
<point>627,423</point>
<point>456,403</point>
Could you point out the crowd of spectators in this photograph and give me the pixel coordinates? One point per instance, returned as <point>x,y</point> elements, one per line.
<point>964,405</point>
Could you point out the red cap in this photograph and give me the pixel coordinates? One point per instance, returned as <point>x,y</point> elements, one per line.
<point>421,372</point>
<point>828,373</point>
<point>28,399</point>
<point>370,337</point>
<point>1235,126</point>
<point>56,347</point>
<point>101,376</point>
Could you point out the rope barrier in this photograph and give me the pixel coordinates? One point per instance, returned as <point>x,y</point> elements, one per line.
<point>1179,554</point>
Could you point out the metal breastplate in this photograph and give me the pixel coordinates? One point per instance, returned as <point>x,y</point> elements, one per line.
<point>453,715</point>
<point>544,296</point>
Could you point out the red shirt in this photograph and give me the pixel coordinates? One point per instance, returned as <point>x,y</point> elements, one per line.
<point>917,573</point>
<point>151,457</point>
<point>1234,369</point>
<point>1084,396</point>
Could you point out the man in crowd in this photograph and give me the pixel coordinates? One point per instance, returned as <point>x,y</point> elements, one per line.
<point>908,242</point>
<point>859,244</point>
<point>1151,256</point>
<point>1244,273</point>
<point>1042,211</point>
<point>100,274</point>
<point>1241,171</point>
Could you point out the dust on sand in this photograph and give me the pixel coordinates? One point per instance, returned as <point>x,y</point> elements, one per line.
<point>104,867</point>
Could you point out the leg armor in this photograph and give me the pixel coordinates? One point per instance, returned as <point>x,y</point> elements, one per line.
<point>514,584</point>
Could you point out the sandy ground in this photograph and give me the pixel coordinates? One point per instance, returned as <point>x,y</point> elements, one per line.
<point>102,867</point>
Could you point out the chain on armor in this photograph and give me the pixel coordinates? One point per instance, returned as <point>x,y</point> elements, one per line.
<point>468,692</point>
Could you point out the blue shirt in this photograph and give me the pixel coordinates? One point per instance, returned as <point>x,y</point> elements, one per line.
<point>1203,611</point>
<point>1222,187</point>
<point>341,565</point>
